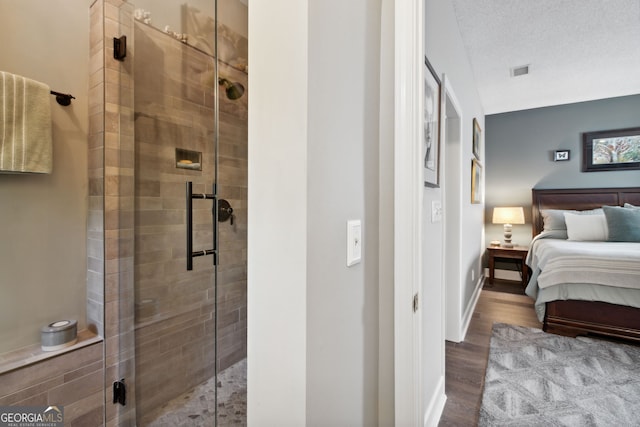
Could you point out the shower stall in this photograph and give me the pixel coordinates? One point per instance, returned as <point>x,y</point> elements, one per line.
<point>178,211</point>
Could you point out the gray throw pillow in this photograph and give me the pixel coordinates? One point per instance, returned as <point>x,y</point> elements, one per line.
<point>553,219</point>
<point>623,224</point>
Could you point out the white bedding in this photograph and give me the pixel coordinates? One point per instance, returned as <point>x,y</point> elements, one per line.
<point>602,263</point>
<point>588,271</point>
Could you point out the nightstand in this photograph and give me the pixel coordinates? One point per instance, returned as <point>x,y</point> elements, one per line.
<point>517,253</point>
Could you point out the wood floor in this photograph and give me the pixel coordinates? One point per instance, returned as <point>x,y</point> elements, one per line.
<point>466,362</point>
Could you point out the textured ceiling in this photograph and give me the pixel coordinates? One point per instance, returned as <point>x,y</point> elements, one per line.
<point>577,50</point>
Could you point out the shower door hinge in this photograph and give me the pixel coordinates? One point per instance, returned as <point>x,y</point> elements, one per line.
<point>119,392</point>
<point>120,48</point>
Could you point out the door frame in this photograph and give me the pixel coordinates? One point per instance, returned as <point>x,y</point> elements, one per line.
<point>408,212</point>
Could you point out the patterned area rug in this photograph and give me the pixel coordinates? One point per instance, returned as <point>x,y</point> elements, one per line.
<point>539,379</point>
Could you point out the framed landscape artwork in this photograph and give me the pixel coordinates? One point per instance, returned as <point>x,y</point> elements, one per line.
<point>611,150</point>
<point>431,143</point>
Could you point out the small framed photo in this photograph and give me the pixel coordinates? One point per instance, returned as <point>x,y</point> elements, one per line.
<point>561,155</point>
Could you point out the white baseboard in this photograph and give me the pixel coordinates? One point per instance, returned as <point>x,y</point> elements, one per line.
<point>436,406</point>
<point>468,312</point>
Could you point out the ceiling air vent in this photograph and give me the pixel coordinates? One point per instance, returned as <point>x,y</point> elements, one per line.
<point>520,71</point>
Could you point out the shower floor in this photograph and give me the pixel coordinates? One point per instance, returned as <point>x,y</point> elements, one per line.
<point>197,407</point>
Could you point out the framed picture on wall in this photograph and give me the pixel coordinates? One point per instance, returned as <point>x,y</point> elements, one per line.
<point>431,139</point>
<point>561,155</point>
<point>476,182</point>
<point>611,150</point>
<point>477,136</point>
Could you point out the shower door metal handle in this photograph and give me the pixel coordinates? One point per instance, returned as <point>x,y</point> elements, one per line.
<point>190,252</point>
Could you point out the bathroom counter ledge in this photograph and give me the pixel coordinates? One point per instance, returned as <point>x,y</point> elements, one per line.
<point>31,354</point>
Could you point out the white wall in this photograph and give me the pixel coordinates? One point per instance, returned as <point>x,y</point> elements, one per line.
<point>445,51</point>
<point>342,302</point>
<point>313,153</point>
<point>432,298</point>
<point>277,217</point>
<point>336,159</point>
<point>43,233</point>
<point>386,251</point>
<point>453,218</point>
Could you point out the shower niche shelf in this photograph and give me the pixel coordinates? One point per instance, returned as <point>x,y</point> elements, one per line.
<point>32,354</point>
<point>188,159</point>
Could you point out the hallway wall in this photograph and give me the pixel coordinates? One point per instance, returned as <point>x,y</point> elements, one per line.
<point>445,51</point>
<point>343,140</point>
<point>313,321</point>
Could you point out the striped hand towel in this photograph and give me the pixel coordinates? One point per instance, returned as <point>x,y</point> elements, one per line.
<point>25,125</point>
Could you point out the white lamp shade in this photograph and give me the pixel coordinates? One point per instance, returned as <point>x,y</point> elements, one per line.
<point>508,215</point>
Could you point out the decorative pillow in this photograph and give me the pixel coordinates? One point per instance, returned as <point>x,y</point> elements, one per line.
<point>586,227</point>
<point>553,219</point>
<point>623,224</point>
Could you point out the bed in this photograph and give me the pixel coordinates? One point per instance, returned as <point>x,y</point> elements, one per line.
<point>584,308</point>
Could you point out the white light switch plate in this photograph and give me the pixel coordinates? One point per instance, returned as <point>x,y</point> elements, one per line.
<point>436,211</point>
<point>354,242</point>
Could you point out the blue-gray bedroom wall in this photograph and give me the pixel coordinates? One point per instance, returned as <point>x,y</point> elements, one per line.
<point>519,149</point>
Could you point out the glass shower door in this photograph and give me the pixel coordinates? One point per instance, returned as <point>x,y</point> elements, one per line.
<point>189,158</point>
<point>175,144</point>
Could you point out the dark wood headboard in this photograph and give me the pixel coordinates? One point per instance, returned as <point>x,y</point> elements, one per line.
<point>579,199</point>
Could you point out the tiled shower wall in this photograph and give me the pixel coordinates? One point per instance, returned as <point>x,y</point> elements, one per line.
<point>111,196</point>
<point>73,380</point>
<point>174,109</point>
<point>233,179</point>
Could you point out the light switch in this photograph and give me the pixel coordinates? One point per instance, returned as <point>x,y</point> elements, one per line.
<point>354,242</point>
<point>436,211</point>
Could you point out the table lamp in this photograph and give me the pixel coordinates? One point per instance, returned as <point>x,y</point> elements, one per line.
<point>508,216</point>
